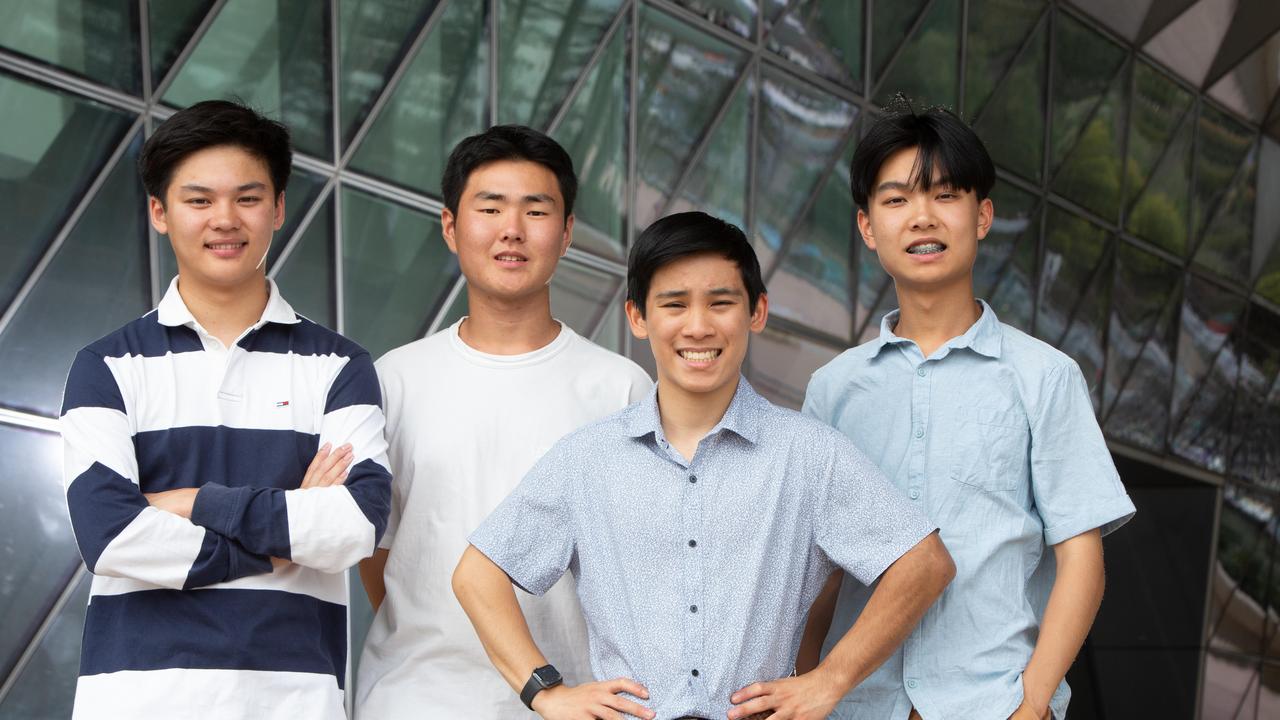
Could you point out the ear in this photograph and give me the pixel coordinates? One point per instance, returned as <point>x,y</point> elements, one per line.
<point>568,236</point>
<point>448,226</point>
<point>279,213</point>
<point>864,227</point>
<point>156,214</point>
<point>638,327</point>
<point>761,314</point>
<point>986,215</point>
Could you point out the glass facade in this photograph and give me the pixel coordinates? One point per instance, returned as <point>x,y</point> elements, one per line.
<point>1136,144</point>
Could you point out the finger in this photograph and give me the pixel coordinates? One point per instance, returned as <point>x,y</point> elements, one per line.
<point>338,470</point>
<point>751,707</point>
<point>627,685</point>
<point>630,707</point>
<point>335,457</point>
<point>309,478</point>
<point>751,691</point>
<point>604,713</point>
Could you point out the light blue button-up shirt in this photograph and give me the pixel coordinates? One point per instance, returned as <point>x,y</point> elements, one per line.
<point>993,437</point>
<point>696,577</point>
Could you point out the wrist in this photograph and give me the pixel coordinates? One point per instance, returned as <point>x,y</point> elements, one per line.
<point>1033,697</point>
<point>545,699</point>
<point>831,680</point>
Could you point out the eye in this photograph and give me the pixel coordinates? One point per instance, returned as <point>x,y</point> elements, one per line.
<point>894,201</point>
<point>538,213</point>
<point>948,195</point>
<point>487,210</point>
<point>250,200</point>
<point>198,202</point>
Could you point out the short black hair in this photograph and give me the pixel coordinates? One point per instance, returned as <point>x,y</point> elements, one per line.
<point>690,233</point>
<point>507,142</point>
<point>209,124</point>
<point>944,141</point>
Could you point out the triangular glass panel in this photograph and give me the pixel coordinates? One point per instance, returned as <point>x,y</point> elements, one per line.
<point>823,36</point>
<point>1230,687</point>
<point>545,47</point>
<point>457,309</point>
<point>1255,424</point>
<point>1227,242</point>
<point>594,132</point>
<point>396,271</point>
<point>47,686</point>
<point>1236,623</point>
<point>306,276</point>
<point>1161,212</point>
<point>440,100</point>
<point>925,70</point>
<point>1090,175</point>
<point>53,147</point>
<point>1221,146</point>
<point>1249,87</point>
<point>684,78</point>
<point>1158,112</point>
<point>171,24</point>
<point>609,334</point>
<point>76,301</point>
<point>782,362</point>
<point>1012,122</point>
<point>374,39</point>
<point>890,23</point>
<point>275,57</point>
<point>97,40</point>
<point>1082,79</point>
<point>1265,270</point>
<point>734,15</point>
<point>580,296</point>
<point>718,184</point>
<point>997,30</point>
<point>1004,273</point>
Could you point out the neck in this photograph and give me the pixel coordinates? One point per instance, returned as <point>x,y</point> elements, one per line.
<point>508,327</point>
<point>932,317</point>
<point>225,312</point>
<point>688,417</point>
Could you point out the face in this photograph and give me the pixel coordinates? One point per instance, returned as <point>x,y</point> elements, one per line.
<point>510,229</point>
<point>697,320</point>
<point>219,213</point>
<point>924,239</point>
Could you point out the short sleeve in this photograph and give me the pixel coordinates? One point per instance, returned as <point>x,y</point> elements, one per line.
<point>530,535</point>
<point>1073,480</point>
<point>864,523</point>
<point>815,400</point>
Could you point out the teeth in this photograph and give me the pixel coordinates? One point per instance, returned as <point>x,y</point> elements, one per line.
<point>509,258</point>
<point>700,355</point>
<point>224,246</point>
<point>926,248</point>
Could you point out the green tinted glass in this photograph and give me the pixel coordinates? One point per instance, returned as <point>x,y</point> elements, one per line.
<point>1227,242</point>
<point>172,23</point>
<point>824,36</point>
<point>998,30</point>
<point>580,296</point>
<point>1004,271</point>
<point>890,23</point>
<point>1081,81</point>
<point>925,71</point>
<point>1075,282</point>
<point>306,277</point>
<point>1012,121</point>
<point>47,686</point>
<point>1205,373</point>
<point>1090,174</point>
<point>718,183</point>
<point>94,38</point>
<point>736,15</point>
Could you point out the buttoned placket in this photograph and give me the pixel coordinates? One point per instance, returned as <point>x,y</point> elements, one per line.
<point>226,362</point>
<point>692,548</point>
<point>921,375</point>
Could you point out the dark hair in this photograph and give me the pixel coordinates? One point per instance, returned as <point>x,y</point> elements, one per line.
<point>209,124</point>
<point>684,234</point>
<point>507,142</point>
<point>944,141</point>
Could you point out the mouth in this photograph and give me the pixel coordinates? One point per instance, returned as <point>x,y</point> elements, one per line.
<point>699,357</point>
<point>926,247</point>
<point>514,258</point>
<point>226,249</point>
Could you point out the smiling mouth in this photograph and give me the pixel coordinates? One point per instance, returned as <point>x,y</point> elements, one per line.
<point>510,258</point>
<point>699,355</point>
<point>226,245</point>
<point>926,248</point>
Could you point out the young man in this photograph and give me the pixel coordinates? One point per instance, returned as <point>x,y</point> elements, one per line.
<point>469,410</point>
<point>990,432</point>
<point>700,523</point>
<point>224,458</point>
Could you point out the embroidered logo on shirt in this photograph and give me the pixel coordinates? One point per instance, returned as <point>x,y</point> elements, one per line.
<point>282,403</point>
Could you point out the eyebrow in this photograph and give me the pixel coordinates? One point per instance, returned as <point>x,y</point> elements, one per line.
<point>898,186</point>
<point>247,186</point>
<point>499,197</point>
<point>718,292</point>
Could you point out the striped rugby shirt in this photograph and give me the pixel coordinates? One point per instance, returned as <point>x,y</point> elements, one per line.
<point>186,618</point>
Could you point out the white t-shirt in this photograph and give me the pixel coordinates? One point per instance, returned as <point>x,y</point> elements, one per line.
<point>463,428</point>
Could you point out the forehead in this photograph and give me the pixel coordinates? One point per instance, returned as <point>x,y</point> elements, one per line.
<point>221,166</point>
<point>694,273</point>
<point>514,178</point>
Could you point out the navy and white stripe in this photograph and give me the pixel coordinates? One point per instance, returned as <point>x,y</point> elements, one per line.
<point>159,405</point>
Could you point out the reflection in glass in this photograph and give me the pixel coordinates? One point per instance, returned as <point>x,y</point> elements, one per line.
<point>396,271</point>
<point>374,35</point>
<point>1269,693</point>
<point>1205,375</point>
<point>457,309</point>
<point>172,23</point>
<point>1090,172</point>
<point>47,685</point>
<point>1242,575</point>
<point>440,100</point>
<point>94,38</point>
<point>779,365</point>
<point>1012,122</point>
<point>1159,107</point>
<point>824,36</point>
<point>890,23</point>
<point>885,302</point>
<point>1075,280</point>
<point>1140,347</point>
<point>275,57</point>
<point>545,47</point>
<point>1081,80</point>
<point>1230,687</point>
<point>306,276</point>
<point>612,326</point>
<point>1221,146</point>
<point>997,29</point>
<point>736,15</point>
<point>925,71</point>
<point>1159,163</point>
<point>35,537</point>
<point>1004,272</point>
<point>75,302</point>
<point>684,77</point>
<point>1227,242</point>
<point>594,133</point>
<point>1256,421</point>
<point>1250,87</point>
<point>52,147</point>
<point>580,296</point>
<point>1266,227</point>
<point>718,185</point>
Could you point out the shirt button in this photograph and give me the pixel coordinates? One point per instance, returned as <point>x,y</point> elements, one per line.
<point>693,608</point>
<point>915,494</point>
<point>693,478</point>
<point>694,672</point>
<point>921,371</point>
<point>693,543</point>
<point>912,683</point>
<point>919,432</point>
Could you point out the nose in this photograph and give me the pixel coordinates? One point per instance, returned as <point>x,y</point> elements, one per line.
<point>698,322</point>
<point>224,216</point>
<point>513,228</point>
<point>924,217</point>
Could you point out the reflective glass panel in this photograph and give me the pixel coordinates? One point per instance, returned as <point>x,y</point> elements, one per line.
<point>1075,281</point>
<point>1225,247</point>
<point>594,132</point>
<point>1012,122</point>
<point>780,365</point>
<point>1256,422</point>
<point>1250,86</point>
<point>580,296</point>
<point>457,309</point>
<point>52,148</point>
<point>47,685</point>
<point>306,277</point>
<point>1159,108</point>
<point>76,300</point>
<point>997,30</point>
<point>736,15</point>
<point>1144,299</point>
<point>824,36</point>
<point>172,23</point>
<point>545,46</point>
<point>1159,162</point>
<point>882,300</point>
<point>1266,224</point>
<point>272,55</point>
<point>1005,269</point>
<point>684,78</point>
<point>612,326</point>
<point>718,184</point>
<point>890,23</point>
<point>925,71</point>
<point>1230,687</point>
<point>35,536</point>
<point>374,37</point>
<point>94,38</point>
<point>1205,375</point>
<point>1269,693</point>
<point>440,100</point>
<point>1081,80</point>
<point>396,271</point>
<point>1242,571</point>
<point>1221,146</point>
<point>1090,174</point>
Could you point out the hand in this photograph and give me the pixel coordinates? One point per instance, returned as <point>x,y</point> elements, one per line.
<point>1025,712</point>
<point>178,502</point>
<point>279,563</point>
<point>592,700</point>
<point>328,468</point>
<point>805,697</point>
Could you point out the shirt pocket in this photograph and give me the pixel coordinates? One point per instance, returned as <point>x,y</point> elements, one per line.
<point>989,451</point>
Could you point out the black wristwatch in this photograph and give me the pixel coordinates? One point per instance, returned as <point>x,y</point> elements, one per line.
<point>541,679</point>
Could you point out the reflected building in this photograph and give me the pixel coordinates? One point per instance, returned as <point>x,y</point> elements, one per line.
<point>1138,155</point>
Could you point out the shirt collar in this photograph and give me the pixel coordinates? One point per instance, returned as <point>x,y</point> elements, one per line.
<point>173,312</point>
<point>743,417</point>
<point>983,336</point>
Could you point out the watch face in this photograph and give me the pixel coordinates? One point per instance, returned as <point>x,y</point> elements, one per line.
<point>548,676</point>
